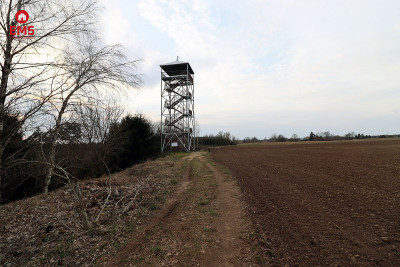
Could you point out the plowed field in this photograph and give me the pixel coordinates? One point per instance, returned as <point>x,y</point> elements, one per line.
<point>322,203</point>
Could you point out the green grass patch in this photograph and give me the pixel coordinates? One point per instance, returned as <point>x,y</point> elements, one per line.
<point>159,198</point>
<point>203,202</point>
<point>158,250</point>
<point>252,233</point>
<point>271,253</point>
<point>117,245</point>
<point>260,259</point>
<point>214,184</point>
<point>213,213</point>
<point>154,206</point>
<point>178,154</point>
<point>129,227</point>
<point>209,229</point>
<point>203,210</point>
<point>113,229</point>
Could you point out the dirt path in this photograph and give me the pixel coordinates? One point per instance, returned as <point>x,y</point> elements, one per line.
<point>229,249</point>
<point>202,224</point>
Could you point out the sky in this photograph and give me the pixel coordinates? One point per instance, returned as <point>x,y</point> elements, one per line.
<point>265,67</point>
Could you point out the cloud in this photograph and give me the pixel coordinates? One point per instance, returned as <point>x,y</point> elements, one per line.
<point>275,66</point>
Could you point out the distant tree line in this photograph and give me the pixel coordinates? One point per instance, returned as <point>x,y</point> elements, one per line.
<point>221,139</point>
<point>327,136</point>
<point>319,136</point>
<point>273,138</point>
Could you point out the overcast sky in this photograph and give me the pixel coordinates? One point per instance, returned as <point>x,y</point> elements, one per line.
<point>265,67</point>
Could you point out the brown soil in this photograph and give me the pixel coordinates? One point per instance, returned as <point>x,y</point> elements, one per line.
<point>322,203</point>
<point>203,224</point>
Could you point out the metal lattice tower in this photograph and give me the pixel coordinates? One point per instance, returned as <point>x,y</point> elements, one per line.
<point>177,106</point>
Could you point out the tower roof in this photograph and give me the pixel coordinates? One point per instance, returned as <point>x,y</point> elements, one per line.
<point>177,68</point>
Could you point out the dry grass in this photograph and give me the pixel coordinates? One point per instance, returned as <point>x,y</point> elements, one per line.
<point>45,229</point>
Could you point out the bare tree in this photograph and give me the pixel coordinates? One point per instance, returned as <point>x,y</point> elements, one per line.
<point>273,138</point>
<point>26,62</point>
<point>88,72</point>
<point>96,120</point>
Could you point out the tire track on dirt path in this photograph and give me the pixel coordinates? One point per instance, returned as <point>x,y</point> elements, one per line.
<point>230,249</point>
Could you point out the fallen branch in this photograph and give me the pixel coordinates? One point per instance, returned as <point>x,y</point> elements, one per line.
<point>130,203</point>
<point>108,196</point>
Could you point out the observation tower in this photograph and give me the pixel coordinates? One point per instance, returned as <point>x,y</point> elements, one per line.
<point>177,106</point>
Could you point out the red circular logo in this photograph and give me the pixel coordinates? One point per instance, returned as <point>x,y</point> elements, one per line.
<point>22,16</point>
